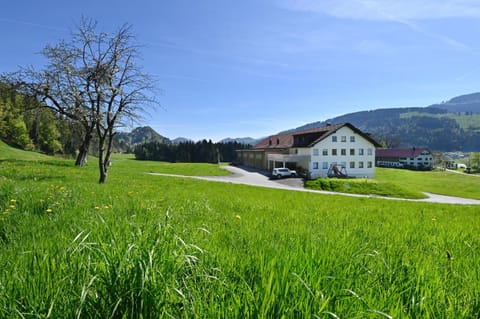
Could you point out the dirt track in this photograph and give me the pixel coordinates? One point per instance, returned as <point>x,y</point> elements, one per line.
<point>256,178</point>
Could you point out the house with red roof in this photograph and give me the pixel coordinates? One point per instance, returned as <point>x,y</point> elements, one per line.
<point>338,149</point>
<point>412,158</point>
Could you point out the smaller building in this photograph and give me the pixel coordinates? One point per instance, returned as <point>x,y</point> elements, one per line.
<point>410,158</point>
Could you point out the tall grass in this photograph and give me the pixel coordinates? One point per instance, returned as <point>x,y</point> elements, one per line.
<point>146,246</point>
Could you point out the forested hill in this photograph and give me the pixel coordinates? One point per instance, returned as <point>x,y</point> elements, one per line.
<point>126,141</point>
<point>449,126</point>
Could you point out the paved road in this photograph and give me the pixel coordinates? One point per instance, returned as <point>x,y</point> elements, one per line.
<point>257,178</point>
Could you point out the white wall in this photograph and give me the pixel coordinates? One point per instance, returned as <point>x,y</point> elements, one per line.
<point>343,136</point>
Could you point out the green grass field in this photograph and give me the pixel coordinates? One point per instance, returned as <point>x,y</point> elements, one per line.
<point>401,183</point>
<point>145,246</point>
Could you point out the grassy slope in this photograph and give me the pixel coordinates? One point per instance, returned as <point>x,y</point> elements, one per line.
<point>9,153</point>
<point>161,246</point>
<point>365,187</point>
<point>437,182</point>
<point>405,184</point>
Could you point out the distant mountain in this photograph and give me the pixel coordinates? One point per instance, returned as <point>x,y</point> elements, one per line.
<point>125,141</point>
<point>469,103</point>
<point>449,126</point>
<point>179,140</point>
<point>241,140</point>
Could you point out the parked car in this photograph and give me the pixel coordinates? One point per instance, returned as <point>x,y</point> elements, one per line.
<point>283,172</point>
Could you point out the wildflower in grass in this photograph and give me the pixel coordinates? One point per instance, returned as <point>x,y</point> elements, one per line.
<point>11,206</point>
<point>238,216</point>
<point>48,210</point>
<point>434,219</point>
<point>97,207</point>
<point>13,201</point>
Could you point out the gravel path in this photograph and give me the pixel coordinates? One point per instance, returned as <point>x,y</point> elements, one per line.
<point>255,178</point>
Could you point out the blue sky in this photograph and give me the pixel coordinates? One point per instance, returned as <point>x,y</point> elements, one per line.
<point>253,68</point>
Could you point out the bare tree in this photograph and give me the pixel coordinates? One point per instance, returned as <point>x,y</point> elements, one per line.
<point>93,79</point>
<point>116,87</point>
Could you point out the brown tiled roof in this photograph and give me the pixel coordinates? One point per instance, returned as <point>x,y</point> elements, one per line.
<point>305,138</point>
<point>400,152</point>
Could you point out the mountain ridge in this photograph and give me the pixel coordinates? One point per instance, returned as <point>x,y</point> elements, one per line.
<point>448,126</point>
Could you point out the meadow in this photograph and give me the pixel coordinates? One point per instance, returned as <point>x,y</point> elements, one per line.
<point>143,246</point>
<point>400,183</point>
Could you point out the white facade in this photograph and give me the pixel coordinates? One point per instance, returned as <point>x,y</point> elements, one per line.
<point>345,148</point>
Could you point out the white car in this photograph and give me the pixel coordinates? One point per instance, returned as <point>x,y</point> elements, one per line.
<point>283,172</point>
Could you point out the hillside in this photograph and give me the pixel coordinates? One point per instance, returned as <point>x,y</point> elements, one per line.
<point>12,153</point>
<point>450,126</point>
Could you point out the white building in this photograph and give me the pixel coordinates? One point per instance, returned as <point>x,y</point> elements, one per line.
<point>412,158</point>
<point>339,149</point>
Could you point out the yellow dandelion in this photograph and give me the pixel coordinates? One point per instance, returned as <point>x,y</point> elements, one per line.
<point>97,207</point>
<point>434,219</point>
<point>238,216</point>
<point>11,206</point>
<point>49,210</point>
<point>13,201</point>
<point>106,206</point>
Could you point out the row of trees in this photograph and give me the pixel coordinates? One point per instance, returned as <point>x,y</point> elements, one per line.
<point>91,81</point>
<point>27,125</point>
<point>200,152</point>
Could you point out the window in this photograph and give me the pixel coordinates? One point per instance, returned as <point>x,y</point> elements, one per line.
<point>369,164</point>
<point>344,139</point>
<point>315,165</point>
<point>334,138</point>
<point>369,151</point>
<point>343,151</point>
<point>352,139</point>
<point>325,152</point>
<point>352,164</point>
<point>315,152</point>
<point>360,151</point>
<point>334,151</point>
<point>352,151</point>
<point>325,165</point>
<point>360,164</point>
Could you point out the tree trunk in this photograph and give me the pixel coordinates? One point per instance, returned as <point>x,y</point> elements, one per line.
<point>83,150</point>
<point>81,157</point>
<point>104,155</point>
<point>103,167</point>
